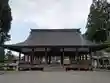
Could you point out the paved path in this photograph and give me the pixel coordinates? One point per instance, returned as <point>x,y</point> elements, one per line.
<point>55,77</point>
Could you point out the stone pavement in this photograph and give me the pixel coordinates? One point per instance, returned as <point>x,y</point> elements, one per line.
<point>55,77</point>
<point>2,72</point>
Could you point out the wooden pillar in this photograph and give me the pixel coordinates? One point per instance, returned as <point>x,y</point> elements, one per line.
<point>35,57</point>
<point>76,54</point>
<point>18,62</point>
<point>80,57</point>
<point>85,56</point>
<point>62,56</point>
<point>90,53</point>
<point>32,56</point>
<point>41,58</point>
<point>49,59</point>
<point>28,58</point>
<point>46,56</point>
<point>73,57</point>
<point>70,59</point>
<point>103,64</point>
<point>98,62</point>
<point>19,56</point>
<point>24,58</point>
<point>38,57</point>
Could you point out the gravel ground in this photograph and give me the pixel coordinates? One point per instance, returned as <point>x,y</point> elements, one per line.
<point>55,77</point>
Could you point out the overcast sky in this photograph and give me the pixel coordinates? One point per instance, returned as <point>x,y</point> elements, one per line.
<point>49,14</point>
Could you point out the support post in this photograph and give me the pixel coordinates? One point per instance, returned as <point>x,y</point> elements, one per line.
<point>24,58</point>
<point>49,59</point>
<point>80,57</point>
<point>70,58</point>
<point>77,55</point>
<point>62,56</point>
<point>83,57</point>
<point>73,57</point>
<point>28,58</point>
<point>90,53</point>
<point>41,57</point>
<point>18,62</point>
<point>86,56</point>
<point>98,63</point>
<point>19,57</point>
<point>32,56</point>
<point>46,56</point>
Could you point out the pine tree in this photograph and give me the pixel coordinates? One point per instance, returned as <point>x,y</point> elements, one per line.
<point>9,56</point>
<point>5,24</point>
<point>98,21</point>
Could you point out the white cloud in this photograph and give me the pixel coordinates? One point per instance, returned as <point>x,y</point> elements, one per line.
<point>108,0</point>
<point>51,13</point>
<point>46,14</point>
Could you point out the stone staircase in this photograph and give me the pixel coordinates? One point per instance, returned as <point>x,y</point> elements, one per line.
<point>54,67</point>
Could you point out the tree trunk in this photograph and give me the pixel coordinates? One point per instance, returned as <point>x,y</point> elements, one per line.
<point>2,52</point>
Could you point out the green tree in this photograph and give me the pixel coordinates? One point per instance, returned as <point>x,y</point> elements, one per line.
<point>5,24</point>
<point>98,21</point>
<point>9,56</point>
<point>5,20</point>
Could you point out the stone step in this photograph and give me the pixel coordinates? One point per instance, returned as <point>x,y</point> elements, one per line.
<point>53,68</point>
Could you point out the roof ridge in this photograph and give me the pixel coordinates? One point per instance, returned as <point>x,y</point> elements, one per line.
<point>55,30</point>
